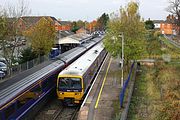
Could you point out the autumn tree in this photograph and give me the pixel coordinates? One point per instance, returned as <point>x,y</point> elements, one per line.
<point>174,8</point>
<point>42,36</point>
<point>128,22</point>
<point>102,21</point>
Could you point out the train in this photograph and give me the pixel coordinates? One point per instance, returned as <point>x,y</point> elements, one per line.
<point>74,81</point>
<point>24,98</point>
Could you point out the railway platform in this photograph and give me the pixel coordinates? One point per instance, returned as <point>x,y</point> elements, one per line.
<point>102,100</point>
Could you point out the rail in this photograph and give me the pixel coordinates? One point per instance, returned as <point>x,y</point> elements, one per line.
<point>66,113</point>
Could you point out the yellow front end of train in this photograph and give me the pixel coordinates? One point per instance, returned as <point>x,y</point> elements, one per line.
<point>70,89</point>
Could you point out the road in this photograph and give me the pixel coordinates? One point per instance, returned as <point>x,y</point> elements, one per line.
<point>172,41</point>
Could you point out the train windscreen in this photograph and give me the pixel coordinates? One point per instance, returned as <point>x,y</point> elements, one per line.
<point>69,84</point>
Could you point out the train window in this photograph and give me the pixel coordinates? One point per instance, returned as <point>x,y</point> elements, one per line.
<point>49,82</point>
<point>36,89</point>
<point>25,98</point>
<point>9,111</point>
<point>69,83</point>
<point>45,84</point>
<point>76,83</point>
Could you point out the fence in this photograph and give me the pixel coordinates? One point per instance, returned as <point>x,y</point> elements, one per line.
<point>122,93</point>
<point>25,66</point>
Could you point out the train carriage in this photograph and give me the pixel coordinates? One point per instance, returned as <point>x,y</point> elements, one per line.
<point>22,99</point>
<point>74,81</point>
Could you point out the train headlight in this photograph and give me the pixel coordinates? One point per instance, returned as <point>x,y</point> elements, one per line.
<point>61,93</point>
<point>77,93</point>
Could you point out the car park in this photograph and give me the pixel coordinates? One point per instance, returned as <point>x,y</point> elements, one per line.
<point>2,74</point>
<point>3,67</point>
<point>3,60</point>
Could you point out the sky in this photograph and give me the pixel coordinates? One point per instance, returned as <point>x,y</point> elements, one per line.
<point>90,9</point>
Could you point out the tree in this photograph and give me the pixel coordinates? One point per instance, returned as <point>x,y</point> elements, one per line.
<point>102,21</point>
<point>174,8</point>
<point>74,27</point>
<point>42,36</point>
<point>2,28</point>
<point>80,23</point>
<point>153,44</point>
<point>149,24</point>
<point>129,23</point>
<point>27,55</point>
<point>10,15</point>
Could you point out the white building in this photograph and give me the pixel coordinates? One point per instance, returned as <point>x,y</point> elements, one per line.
<point>157,23</point>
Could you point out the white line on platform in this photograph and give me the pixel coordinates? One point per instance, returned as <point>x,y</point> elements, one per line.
<point>93,83</point>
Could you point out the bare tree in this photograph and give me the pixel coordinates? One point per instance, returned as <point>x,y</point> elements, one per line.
<point>9,41</point>
<point>174,9</point>
<point>17,11</point>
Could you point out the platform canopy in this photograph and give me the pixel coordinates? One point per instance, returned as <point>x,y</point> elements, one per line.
<point>74,39</point>
<point>68,40</point>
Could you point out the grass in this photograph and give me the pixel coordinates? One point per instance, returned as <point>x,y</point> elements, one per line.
<point>171,49</point>
<point>157,93</point>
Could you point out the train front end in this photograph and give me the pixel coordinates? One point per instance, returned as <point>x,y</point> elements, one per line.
<point>70,89</point>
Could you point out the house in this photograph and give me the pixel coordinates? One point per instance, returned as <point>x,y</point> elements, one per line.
<point>24,24</point>
<point>62,34</point>
<point>64,26</point>
<point>27,22</point>
<point>157,23</point>
<point>169,26</point>
<point>82,30</point>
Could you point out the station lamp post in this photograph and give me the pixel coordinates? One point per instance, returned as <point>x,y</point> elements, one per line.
<point>122,59</point>
<point>122,56</point>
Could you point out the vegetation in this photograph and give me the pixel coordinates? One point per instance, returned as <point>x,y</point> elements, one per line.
<point>42,37</point>
<point>102,22</point>
<point>149,24</point>
<point>173,8</point>
<point>156,94</point>
<point>153,44</point>
<point>27,55</point>
<point>74,27</point>
<point>9,32</point>
<point>129,24</point>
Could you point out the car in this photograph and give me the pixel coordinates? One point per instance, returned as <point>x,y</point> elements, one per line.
<point>2,74</point>
<point>3,60</point>
<point>3,67</point>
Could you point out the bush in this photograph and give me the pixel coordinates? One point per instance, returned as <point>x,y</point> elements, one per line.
<point>27,55</point>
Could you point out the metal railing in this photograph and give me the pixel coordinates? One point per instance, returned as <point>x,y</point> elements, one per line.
<point>25,66</point>
<point>122,93</point>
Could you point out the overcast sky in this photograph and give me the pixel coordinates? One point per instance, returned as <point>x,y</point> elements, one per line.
<point>90,9</point>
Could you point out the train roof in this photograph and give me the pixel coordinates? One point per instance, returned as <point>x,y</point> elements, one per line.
<point>80,66</point>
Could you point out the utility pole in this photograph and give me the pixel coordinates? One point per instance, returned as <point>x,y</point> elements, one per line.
<point>122,59</point>
<point>122,66</point>
<point>122,55</point>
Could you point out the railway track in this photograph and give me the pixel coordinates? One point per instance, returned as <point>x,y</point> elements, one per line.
<point>54,110</point>
<point>66,113</point>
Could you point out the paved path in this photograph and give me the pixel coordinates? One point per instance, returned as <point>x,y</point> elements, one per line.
<point>102,100</point>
